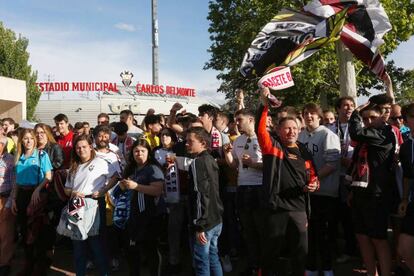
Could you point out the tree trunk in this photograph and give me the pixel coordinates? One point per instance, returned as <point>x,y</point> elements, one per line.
<point>347,80</point>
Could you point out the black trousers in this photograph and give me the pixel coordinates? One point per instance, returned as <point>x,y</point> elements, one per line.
<point>285,243</point>
<point>322,231</point>
<point>251,220</point>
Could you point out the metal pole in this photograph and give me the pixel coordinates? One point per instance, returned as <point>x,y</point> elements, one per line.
<point>154,8</point>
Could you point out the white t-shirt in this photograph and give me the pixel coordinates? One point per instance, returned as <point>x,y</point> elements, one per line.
<point>90,177</point>
<point>113,160</point>
<point>248,176</point>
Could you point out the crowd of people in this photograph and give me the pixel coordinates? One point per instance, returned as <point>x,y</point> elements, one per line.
<point>274,186</point>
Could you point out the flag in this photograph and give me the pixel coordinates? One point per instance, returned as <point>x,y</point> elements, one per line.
<point>292,36</point>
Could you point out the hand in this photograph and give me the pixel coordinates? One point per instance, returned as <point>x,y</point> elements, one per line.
<point>402,208</point>
<point>349,199</point>
<point>264,93</point>
<point>228,147</point>
<point>201,238</point>
<point>312,187</point>
<point>14,207</point>
<point>247,160</point>
<point>176,107</point>
<point>35,196</point>
<point>77,194</point>
<point>96,194</point>
<point>346,162</point>
<point>359,108</point>
<point>129,184</point>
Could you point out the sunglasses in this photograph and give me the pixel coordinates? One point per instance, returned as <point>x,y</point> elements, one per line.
<point>396,118</point>
<point>246,147</point>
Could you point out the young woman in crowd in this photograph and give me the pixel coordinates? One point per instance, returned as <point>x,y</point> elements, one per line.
<point>165,156</point>
<point>88,175</point>
<point>33,171</point>
<point>146,180</point>
<point>46,143</point>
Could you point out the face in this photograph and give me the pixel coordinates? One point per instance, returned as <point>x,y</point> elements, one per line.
<point>7,127</point>
<point>205,119</point>
<point>328,118</point>
<point>386,112</point>
<point>140,154</point>
<point>410,122</point>
<point>28,142</point>
<point>166,140</point>
<point>125,118</point>
<point>103,121</point>
<point>346,109</point>
<point>194,145</point>
<point>86,129</point>
<point>396,118</point>
<point>41,136</point>
<point>155,128</point>
<point>288,132</point>
<point>78,132</point>
<point>243,122</point>
<point>102,140</point>
<point>62,127</point>
<point>83,150</point>
<point>311,118</point>
<point>371,118</point>
<point>220,123</point>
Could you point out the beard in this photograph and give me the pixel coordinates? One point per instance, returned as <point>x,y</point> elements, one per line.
<point>102,145</point>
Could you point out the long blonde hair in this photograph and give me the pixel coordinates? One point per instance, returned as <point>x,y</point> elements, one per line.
<point>20,148</point>
<point>48,131</point>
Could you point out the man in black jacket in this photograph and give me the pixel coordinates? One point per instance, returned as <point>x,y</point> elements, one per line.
<point>288,176</point>
<point>206,207</point>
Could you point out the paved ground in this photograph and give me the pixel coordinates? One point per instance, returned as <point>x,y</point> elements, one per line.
<point>63,265</point>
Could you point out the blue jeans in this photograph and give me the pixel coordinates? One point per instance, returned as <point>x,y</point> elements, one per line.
<point>79,252</point>
<point>206,257</point>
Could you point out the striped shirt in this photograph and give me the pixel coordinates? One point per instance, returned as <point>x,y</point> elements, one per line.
<point>7,173</point>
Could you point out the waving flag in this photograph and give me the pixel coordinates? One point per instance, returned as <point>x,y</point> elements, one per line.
<point>292,36</point>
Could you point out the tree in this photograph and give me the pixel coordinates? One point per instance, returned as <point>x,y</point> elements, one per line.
<point>14,64</point>
<point>235,23</point>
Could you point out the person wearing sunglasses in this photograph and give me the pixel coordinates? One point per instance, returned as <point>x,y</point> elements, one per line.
<point>246,156</point>
<point>397,120</point>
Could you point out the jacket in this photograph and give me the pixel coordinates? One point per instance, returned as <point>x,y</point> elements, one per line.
<point>273,153</point>
<point>380,145</point>
<point>206,207</point>
<point>55,153</point>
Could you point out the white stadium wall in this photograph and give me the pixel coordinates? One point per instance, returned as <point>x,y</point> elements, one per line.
<point>12,99</point>
<point>87,109</point>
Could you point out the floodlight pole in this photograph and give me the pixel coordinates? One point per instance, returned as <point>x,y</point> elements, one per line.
<point>154,9</point>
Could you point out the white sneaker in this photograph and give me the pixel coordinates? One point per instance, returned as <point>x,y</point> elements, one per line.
<point>343,259</point>
<point>311,273</point>
<point>328,273</point>
<point>90,265</point>
<point>226,263</point>
<point>115,264</point>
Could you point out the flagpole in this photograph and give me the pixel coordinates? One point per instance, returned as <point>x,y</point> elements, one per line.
<point>154,9</point>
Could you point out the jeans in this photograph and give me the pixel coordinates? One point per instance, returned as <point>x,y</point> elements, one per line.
<point>79,251</point>
<point>206,257</point>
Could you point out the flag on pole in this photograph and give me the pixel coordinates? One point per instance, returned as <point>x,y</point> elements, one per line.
<point>292,36</point>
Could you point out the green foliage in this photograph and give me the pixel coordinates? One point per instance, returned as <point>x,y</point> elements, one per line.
<point>235,23</point>
<point>14,64</point>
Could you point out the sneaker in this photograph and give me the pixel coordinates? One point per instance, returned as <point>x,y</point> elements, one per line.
<point>90,265</point>
<point>226,263</point>
<point>311,273</point>
<point>328,273</point>
<point>343,259</point>
<point>115,264</point>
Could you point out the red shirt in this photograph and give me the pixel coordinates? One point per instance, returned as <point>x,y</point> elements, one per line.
<point>65,142</point>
